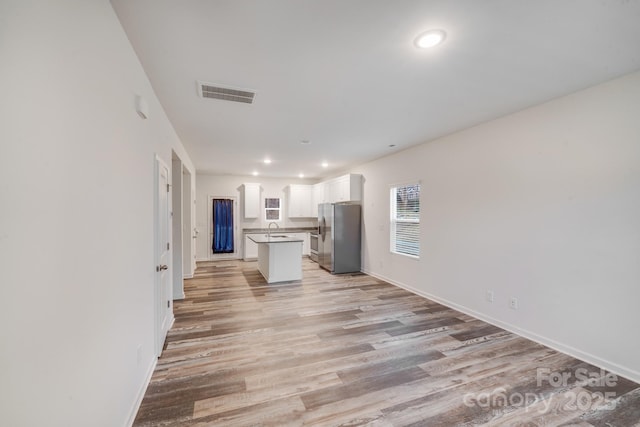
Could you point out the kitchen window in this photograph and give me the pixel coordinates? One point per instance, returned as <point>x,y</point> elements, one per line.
<point>405,220</point>
<point>272,209</point>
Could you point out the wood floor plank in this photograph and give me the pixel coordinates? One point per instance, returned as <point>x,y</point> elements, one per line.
<point>362,386</point>
<point>388,366</point>
<point>352,350</point>
<point>277,412</point>
<point>264,392</point>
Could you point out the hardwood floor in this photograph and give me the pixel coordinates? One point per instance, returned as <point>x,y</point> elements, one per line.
<point>351,350</point>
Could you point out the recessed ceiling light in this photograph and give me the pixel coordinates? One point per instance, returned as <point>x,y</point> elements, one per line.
<point>325,164</point>
<point>392,145</point>
<point>305,142</point>
<point>267,161</point>
<point>255,173</point>
<point>430,38</point>
<point>301,175</point>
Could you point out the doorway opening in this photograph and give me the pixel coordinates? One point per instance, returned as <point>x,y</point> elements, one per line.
<point>223,220</point>
<point>223,235</point>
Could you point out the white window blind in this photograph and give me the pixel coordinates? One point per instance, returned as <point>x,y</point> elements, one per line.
<point>405,220</point>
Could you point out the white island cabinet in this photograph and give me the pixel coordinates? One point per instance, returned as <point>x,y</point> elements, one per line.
<point>305,241</point>
<point>279,257</point>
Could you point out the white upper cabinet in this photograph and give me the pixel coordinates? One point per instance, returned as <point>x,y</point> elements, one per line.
<point>251,200</point>
<point>317,197</point>
<point>304,199</point>
<point>300,201</point>
<point>346,188</point>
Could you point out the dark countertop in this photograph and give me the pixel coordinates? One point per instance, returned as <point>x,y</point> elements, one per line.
<point>282,230</point>
<point>276,238</point>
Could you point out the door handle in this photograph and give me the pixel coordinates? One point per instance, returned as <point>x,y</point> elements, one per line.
<point>162,267</point>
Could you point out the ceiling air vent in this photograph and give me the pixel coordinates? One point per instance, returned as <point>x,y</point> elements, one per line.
<point>208,90</point>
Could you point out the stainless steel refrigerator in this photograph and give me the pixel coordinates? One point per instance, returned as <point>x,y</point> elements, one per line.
<point>339,237</point>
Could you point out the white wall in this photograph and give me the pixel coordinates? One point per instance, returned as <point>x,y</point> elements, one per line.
<point>230,186</point>
<point>542,205</point>
<point>177,227</point>
<point>76,222</point>
<point>189,223</point>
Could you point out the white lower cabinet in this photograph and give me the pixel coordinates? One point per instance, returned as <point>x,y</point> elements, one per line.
<point>250,249</point>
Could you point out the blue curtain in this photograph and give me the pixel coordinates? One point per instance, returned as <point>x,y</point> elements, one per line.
<point>222,226</point>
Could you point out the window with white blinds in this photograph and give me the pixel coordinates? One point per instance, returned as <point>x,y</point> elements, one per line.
<point>405,220</point>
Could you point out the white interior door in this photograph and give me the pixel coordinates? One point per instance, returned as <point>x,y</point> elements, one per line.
<point>164,308</point>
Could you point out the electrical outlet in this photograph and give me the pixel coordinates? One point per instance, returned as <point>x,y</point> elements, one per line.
<point>513,303</point>
<point>490,296</point>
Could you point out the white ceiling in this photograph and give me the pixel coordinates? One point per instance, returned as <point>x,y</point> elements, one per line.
<point>345,75</point>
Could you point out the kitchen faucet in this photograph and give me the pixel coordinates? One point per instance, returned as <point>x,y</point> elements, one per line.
<point>269,228</point>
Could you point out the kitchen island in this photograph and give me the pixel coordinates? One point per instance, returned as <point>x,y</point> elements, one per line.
<point>279,257</point>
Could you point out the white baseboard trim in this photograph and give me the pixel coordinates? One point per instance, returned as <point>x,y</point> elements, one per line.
<point>218,258</point>
<point>188,276</point>
<point>562,348</point>
<point>224,257</point>
<point>145,384</point>
<point>141,392</point>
